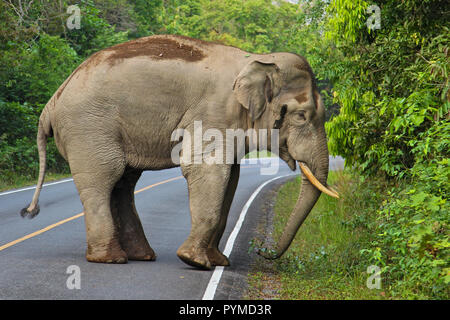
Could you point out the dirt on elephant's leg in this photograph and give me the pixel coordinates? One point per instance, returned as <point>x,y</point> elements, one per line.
<point>207,185</point>
<point>131,233</point>
<point>216,257</point>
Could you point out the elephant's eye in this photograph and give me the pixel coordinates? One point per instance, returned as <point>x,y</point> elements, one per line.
<point>299,117</point>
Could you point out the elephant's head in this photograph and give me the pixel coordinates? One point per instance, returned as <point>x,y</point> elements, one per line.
<point>280,93</point>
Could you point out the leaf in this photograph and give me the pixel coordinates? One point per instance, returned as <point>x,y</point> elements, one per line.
<point>418,198</point>
<point>417,120</point>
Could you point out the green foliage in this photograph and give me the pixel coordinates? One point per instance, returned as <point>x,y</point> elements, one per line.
<point>95,33</point>
<point>412,235</point>
<point>252,25</point>
<point>17,121</point>
<point>18,149</point>
<point>393,87</point>
<point>33,71</point>
<point>148,18</point>
<point>391,83</point>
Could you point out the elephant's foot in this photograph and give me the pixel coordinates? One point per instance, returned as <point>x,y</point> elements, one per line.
<point>112,254</point>
<point>217,258</point>
<point>196,257</point>
<point>139,251</point>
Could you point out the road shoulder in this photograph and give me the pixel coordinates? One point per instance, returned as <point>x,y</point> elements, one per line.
<point>234,282</point>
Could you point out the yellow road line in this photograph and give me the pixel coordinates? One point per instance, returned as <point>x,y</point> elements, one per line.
<point>36,233</point>
<point>31,235</point>
<point>157,184</point>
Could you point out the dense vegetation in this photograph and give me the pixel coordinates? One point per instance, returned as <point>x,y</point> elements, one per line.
<point>391,84</point>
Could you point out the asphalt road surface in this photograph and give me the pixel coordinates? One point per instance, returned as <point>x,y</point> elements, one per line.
<point>44,258</point>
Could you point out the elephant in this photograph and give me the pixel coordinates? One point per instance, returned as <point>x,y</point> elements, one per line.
<point>113,118</point>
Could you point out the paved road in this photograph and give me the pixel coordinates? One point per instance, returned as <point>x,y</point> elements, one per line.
<point>35,254</point>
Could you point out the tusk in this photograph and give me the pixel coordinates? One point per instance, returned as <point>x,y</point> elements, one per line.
<point>307,172</point>
<point>332,189</point>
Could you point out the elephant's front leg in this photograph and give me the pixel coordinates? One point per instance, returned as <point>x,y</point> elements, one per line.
<point>207,185</point>
<point>216,257</point>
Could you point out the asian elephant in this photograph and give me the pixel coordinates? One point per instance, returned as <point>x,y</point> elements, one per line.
<point>115,114</point>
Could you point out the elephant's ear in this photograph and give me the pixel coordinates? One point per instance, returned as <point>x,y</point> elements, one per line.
<point>256,85</point>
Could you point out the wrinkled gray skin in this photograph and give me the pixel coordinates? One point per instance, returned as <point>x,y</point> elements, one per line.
<point>114,116</point>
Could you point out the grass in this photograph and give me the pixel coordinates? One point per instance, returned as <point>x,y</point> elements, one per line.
<point>259,154</point>
<point>21,181</point>
<point>324,261</point>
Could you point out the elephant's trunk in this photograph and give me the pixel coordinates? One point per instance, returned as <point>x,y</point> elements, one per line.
<point>311,188</point>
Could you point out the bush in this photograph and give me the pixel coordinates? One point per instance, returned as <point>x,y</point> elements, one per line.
<point>17,121</point>
<point>18,150</point>
<point>33,71</point>
<point>412,241</point>
<point>95,33</point>
<point>393,87</point>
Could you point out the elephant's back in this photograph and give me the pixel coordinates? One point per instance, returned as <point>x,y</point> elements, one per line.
<point>140,91</point>
<point>166,62</point>
<point>137,91</point>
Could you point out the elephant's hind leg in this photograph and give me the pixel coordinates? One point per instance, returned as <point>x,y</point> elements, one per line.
<point>131,233</point>
<point>95,188</point>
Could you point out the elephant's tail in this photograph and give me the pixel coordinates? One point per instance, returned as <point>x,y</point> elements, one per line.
<point>44,131</point>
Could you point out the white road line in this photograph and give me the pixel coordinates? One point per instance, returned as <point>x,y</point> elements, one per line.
<point>34,187</point>
<point>217,274</point>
